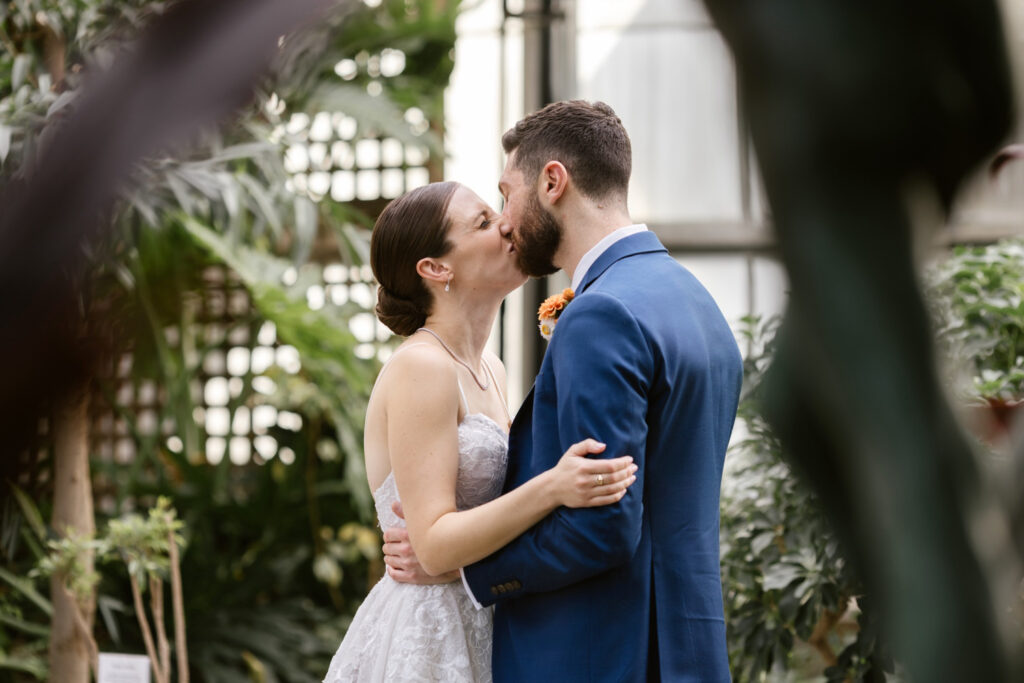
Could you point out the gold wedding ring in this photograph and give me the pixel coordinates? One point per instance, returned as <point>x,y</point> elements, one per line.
<point>600,480</point>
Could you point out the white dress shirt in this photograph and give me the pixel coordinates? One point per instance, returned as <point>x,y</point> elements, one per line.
<point>595,251</point>
<point>577,278</point>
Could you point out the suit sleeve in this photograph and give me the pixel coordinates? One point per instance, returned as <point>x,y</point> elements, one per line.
<point>603,368</point>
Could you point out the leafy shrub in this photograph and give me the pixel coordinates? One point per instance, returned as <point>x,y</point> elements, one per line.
<point>977,297</point>
<point>785,579</point>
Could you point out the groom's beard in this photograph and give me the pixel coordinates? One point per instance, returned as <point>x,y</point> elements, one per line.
<point>537,240</point>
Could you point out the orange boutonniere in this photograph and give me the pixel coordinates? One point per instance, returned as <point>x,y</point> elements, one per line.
<point>551,309</point>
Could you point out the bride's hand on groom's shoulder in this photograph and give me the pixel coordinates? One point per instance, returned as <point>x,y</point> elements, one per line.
<point>579,481</point>
<point>402,565</point>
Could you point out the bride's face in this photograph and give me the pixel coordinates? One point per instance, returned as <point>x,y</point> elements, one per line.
<point>483,258</point>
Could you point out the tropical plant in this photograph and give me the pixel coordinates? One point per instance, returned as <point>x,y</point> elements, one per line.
<point>255,532</point>
<point>784,574</point>
<point>70,565</point>
<point>25,613</point>
<point>272,542</point>
<point>149,549</point>
<point>785,578</point>
<point>977,297</point>
<point>23,639</point>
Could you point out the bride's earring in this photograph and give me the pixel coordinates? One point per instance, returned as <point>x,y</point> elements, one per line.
<point>448,285</point>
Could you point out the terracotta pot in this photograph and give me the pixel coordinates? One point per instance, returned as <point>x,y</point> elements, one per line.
<point>993,421</point>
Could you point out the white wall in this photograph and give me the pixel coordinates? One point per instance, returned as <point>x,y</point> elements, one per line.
<point>663,67</point>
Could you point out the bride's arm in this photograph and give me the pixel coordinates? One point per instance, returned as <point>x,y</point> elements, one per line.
<point>422,415</point>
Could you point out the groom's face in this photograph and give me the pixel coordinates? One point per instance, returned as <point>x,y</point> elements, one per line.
<point>534,231</point>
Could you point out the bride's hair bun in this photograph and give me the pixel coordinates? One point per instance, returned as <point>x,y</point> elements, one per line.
<point>402,316</point>
<point>412,227</point>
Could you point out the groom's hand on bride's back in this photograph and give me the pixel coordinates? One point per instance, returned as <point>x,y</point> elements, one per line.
<point>402,565</point>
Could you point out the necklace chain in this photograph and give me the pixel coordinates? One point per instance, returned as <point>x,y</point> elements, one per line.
<point>484,386</point>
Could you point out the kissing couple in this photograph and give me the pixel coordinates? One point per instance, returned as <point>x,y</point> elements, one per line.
<point>579,541</point>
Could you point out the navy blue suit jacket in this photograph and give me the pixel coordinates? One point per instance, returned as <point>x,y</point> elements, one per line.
<point>643,360</point>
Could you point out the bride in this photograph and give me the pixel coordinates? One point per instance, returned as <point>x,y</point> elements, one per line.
<point>436,438</point>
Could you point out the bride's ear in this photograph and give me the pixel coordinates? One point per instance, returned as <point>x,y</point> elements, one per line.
<point>433,270</point>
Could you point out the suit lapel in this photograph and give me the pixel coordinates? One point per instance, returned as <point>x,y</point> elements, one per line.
<point>520,441</point>
<point>645,242</point>
<point>520,438</point>
<point>640,243</point>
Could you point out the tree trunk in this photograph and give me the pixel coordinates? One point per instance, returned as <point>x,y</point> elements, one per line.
<point>72,512</point>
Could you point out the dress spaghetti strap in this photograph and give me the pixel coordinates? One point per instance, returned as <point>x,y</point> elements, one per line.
<point>465,403</point>
<point>501,395</point>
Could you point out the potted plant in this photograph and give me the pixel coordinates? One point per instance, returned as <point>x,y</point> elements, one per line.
<point>977,297</point>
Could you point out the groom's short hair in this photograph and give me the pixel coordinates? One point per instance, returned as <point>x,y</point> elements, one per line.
<point>588,138</point>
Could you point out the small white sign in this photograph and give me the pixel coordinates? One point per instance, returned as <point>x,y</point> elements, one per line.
<point>123,669</point>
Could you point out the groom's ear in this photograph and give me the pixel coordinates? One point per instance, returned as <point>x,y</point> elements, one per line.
<point>433,270</point>
<point>554,179</point>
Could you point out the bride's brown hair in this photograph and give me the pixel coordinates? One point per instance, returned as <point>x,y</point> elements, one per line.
<point>412,227</point>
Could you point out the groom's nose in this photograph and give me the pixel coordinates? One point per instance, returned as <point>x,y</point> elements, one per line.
<point>505,227</point>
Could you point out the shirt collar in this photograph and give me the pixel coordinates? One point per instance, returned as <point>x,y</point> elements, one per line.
<point>595,252</point>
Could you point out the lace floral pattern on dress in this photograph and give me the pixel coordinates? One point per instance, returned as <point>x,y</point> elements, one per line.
<point>428,634</point>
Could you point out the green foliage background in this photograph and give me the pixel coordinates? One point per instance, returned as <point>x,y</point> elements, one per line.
<point>784,576</point>
<point>783,569</point>
<point>278,555</point>
<point>978,305</point>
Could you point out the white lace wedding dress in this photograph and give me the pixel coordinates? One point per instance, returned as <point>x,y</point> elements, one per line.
<point>404,632</point>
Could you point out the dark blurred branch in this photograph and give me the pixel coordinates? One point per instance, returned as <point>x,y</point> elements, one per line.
<point>866,117</point>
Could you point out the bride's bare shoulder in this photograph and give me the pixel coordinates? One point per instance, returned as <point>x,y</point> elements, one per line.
<point>420,357</point>
<point>424,369</point>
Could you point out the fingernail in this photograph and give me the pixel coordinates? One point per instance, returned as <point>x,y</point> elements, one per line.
<point>629,458</point>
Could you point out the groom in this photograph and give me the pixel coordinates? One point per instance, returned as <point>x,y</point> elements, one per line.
<point>642,360</point>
